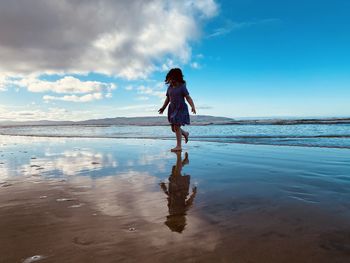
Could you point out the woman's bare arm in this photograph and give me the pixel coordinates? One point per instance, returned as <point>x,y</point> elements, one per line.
<point>164,188</point>
<point>166,102</point>
<point>190,101</point>
<point>189,202</point>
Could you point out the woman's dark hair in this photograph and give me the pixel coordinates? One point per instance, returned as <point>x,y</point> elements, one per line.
<point>176,75</point>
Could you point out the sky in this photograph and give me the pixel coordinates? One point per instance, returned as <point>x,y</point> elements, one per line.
<point>78,60</point>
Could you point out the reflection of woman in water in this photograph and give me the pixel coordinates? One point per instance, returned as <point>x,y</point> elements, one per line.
<point>177,193</point>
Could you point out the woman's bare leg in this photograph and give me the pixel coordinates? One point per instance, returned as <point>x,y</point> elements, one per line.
<point>185,134</point>
<point>185,160</point>
<point>178,138</point>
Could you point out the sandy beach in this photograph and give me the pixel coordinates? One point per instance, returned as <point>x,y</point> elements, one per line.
<point>127,200</point>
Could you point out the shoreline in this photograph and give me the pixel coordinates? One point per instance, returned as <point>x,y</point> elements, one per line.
<point>194,139</point>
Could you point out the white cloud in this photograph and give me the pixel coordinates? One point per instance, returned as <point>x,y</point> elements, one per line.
<point>231,26</point>
<point>195,65</point>
<point>4,82</point>
<point>75,98</point>
<point>156,90</point>
<point>144,90</point>
<point>124,38</point>
<point>2,87</point>
<point>208,7</point>
<point>129,87</point>
<point>92,90</point>
<point>142,98</point>
<point>67,84</point>
<point>168,65</point>
<point>32,113</point>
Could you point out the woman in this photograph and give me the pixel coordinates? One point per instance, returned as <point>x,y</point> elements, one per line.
<point>178,111</point>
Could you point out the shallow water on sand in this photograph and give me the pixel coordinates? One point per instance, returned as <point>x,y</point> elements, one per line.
<point>121,200</point>
<point>311,135</point>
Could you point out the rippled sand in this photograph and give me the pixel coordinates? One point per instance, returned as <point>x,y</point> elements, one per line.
<point>110,200</point>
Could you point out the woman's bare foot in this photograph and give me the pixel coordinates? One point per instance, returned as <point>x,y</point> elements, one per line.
<point>185,160</point>
<point>176,149</point>
<point>186,134</point>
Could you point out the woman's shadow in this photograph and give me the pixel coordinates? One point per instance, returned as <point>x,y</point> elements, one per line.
<point>177,192</point>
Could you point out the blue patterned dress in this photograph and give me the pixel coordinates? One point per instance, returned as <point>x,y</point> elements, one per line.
<point>178,110</point>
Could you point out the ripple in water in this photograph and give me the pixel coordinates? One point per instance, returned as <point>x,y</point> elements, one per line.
<point>34,259</point>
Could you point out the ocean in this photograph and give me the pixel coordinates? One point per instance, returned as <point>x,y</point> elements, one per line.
<point>307,135</point>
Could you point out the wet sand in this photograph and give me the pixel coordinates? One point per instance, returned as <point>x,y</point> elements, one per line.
<point>110,200</point>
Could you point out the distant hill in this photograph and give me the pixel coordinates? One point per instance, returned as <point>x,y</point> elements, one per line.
<point>195,120</point>
<point>140,121</point>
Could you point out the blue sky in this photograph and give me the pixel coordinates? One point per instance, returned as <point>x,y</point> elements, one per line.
<point>241,58</point>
